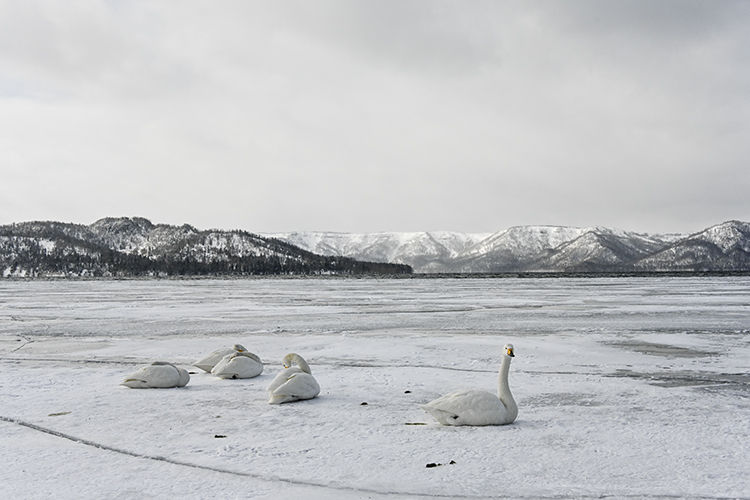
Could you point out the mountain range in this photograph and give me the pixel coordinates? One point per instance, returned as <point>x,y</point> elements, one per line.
<point>547,249</point>
<point>137,247</point>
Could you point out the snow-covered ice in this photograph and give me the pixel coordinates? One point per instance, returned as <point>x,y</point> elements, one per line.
<point>626,387</point>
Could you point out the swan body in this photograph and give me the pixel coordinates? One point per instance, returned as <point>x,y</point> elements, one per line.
<point>207,363</point>
<point>294,383</point>
<point>241,364</point>
<point>158,374</point>
<point>474,407</point>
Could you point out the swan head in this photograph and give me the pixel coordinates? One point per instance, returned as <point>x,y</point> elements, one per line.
<point>508,348</point>
<point>293,358</point>
<point>239,348</point>
<point>288,360</point>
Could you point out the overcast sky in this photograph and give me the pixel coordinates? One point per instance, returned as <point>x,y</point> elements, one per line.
<point>368,116</point>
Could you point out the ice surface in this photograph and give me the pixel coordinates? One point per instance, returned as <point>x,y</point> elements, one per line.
<point>627,388</point>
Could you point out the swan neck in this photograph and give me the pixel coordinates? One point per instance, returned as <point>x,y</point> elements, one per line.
<point>503,389</point>
<point>301,363</point>
<point>250,355</point>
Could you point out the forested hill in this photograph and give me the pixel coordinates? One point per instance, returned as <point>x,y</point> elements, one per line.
<point>136,247</point>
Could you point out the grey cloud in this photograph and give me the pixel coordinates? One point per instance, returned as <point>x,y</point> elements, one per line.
<point>372,115</point>
<point>682,20</point>
<point>439,37</point>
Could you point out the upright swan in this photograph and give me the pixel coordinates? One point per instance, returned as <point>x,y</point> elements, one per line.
<point>241,364</point>
<point>294,383</point>
<point>158,374</point>
<point>207,364</point>
<point>473,407</point>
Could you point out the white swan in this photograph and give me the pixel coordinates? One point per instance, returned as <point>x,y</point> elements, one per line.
<point>207,364</point>
<point>294,383</point>
<point>242,364</point>
<point>474,407</point>
<point>158,374</point>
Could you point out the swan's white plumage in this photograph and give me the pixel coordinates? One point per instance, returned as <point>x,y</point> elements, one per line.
<point>238,365</point>
<point>468,407</point>
<point>207,363</point>
<point>474,407</point>
<point>294,383</point>
<point>158,375</point>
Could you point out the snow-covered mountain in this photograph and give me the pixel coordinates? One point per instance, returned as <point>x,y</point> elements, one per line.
<point>428,251</point>
<point>601,248</point>
<point>513,249</point>
<point>725,247</point>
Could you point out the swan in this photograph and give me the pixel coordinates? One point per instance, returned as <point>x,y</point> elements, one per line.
<point>294,382</point>
<point>158,374</point>
<point>207,364</point>
<point>242,364</point>
<point>474,407</point>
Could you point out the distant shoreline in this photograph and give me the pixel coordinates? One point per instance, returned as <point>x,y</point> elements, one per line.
<point>413,276</point>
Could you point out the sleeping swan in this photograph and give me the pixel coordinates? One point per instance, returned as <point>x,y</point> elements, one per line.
<point>293,384</point>
<point>241,364</point>
<point>158,374</point>
<point>474,407</point>
<point>207,364</point>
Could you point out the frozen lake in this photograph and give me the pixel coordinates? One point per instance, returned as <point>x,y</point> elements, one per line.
<point>509,306</point>
<point>627,388</point>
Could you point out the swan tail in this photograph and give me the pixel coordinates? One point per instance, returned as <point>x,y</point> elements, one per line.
<point>442,416</point>
<point>277,399</point>
<point>134,382</point>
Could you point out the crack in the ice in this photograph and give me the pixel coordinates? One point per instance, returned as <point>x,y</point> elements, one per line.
<point>297,482</point>
<point>353,364</point>
<point>97,361</point>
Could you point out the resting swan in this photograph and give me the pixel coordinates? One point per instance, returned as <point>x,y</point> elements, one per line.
<point>158,374</point>
<point>474,407</point>
<point>242,364</point>
<point>207,364</point>
<point>294,383</point>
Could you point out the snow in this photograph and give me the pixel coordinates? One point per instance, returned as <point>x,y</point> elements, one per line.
<point>525,241</point>
<point>384,247</point>
<point>627,388</point>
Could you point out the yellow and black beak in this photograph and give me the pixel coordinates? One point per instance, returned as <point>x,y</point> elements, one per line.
<point>510,353</point>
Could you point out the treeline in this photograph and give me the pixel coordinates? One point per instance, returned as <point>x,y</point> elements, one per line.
<point>54,249</point>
